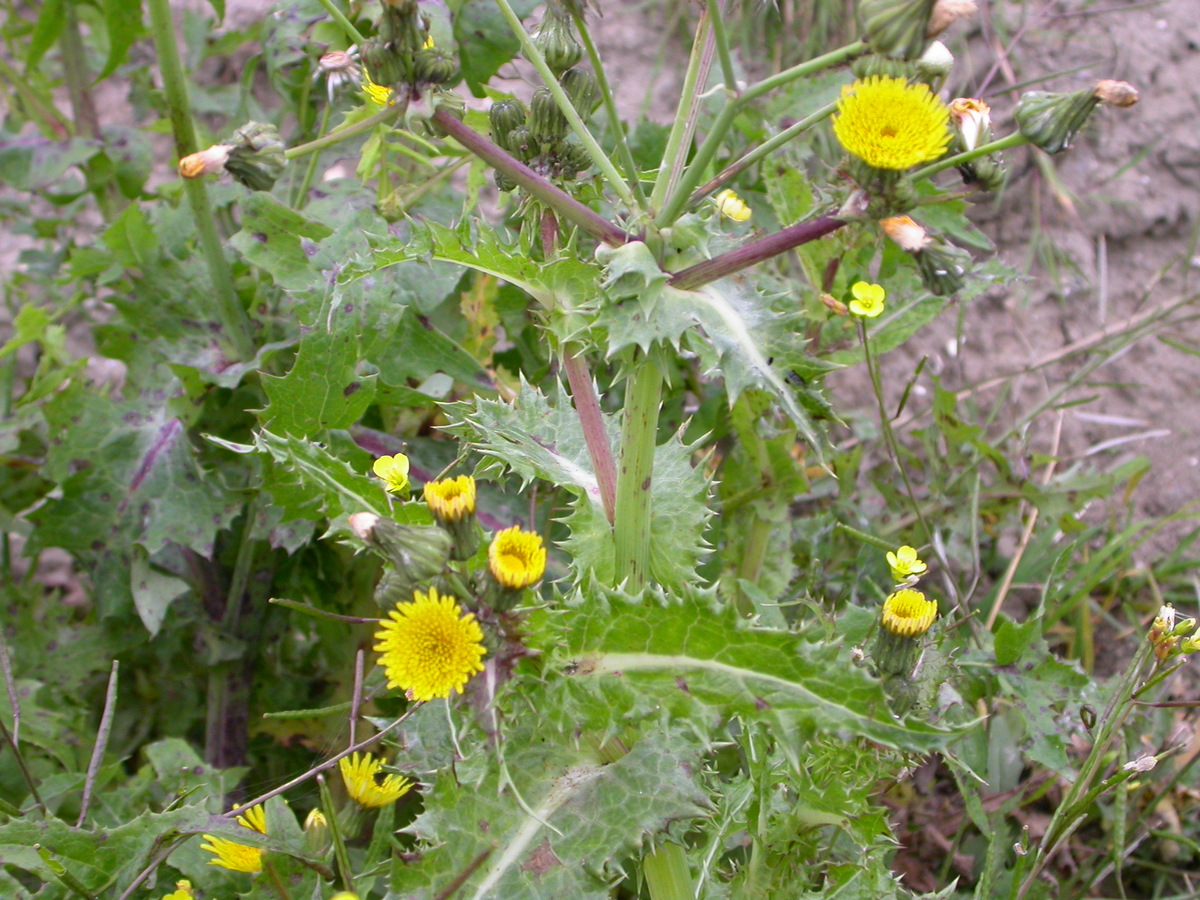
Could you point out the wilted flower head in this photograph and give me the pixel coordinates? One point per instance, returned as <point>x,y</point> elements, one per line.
<point>907,613</point>
<point>339,68</point>
<point>868,299</point>
<point>947,12</point>
<point>428,648</point>
<point>891,124</point>
<point>359,775</point>
<point>732,206</point>
<point>235,856</point>
<point>517,558</point>
<point>1119,94</point>
<point>905,232</point>
<point>394,472</point>
<point>973,119</point>
<point>206,162</point>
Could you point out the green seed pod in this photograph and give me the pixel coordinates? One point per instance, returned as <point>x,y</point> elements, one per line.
<point>256,158</point>
<point>546,121</point>
<point>896,28</point>
<point>583,90</point>
<point>556,40</point>
<point>434,65</point>
<point>505,116</point>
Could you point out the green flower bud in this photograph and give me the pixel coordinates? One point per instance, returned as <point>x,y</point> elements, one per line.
<point>556,40</point>
<point>434,65</point>
<point>401,27</point>
<point>416,552</point>
<point>582,89</point>
<point>256,156</point>
<point>943,267</point>
<point>870,64</point>
<point>503,182</point>
<point>383,65</point>
<point>896,28</point>
<point>570,158</point>
<point>316,833</point>
<point>546,122</point>
<point>505,116</point>
<point>1050,121</point>
<point>521,144</point>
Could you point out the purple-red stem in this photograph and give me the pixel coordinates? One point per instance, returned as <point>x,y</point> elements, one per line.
<point>587,407</point>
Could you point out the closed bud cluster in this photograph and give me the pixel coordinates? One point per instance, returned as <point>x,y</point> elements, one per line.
<point>1050,121</point>
<point>433,65</point>
<point>1166,631</point>
<point>547,123</point>
<point>256,156</point>
<point>896,28</point>
<point>869,64</point>
<point>582,90</point>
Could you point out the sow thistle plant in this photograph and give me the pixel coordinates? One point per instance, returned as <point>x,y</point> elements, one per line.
<point>630,648</point>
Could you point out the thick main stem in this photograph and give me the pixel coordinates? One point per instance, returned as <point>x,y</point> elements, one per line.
<point>754,252</point>
<point>635,472</point>
<point>224,304</point>
<point>667,874</point>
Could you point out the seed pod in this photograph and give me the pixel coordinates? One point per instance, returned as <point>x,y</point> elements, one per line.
<point>582,89</point>
<point>505,116</point>
<point>546,121</point>
<point>434,65</point>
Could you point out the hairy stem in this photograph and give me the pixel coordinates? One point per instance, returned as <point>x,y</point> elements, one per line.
<point>341,134</point>
<point>223,302</point>
<point>1016,139</point>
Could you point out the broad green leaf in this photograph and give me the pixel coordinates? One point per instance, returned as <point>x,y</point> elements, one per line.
<point>549,819</point>
<point>537,437</point>
<point>621,659</point>
<point>279,240</point>
<point>31,163</point>
<point>153,592</point>
<point>485,42</point>
<point>50,23</point>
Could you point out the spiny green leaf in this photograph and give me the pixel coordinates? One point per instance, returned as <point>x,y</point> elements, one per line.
<point>624,657</point>
<point>547,819</point>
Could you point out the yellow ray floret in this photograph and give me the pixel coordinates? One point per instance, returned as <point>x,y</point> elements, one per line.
<point>235,856</point>
<point>891,124</point>
<point>517,558</point>
<point>451,499</point>
<point>428,648</point>
<point>358,774</point>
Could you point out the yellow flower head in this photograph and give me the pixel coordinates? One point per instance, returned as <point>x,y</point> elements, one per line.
<point>905,564</point>
<point>517,558</point>
<point>732,206</point>
<point>394,472</point>
<point>428,648</point>
<point>183,891</point>
<point>451,499</point>
<point>376,93</point>
<point>358,773</point>
<point>868,299</point>
<point>891,124</point>
<point>235,856</point>
<point>344,895</point>
<point>908,614</point>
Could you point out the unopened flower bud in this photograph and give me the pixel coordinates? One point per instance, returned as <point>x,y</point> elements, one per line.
<point>504,117</point>
<point>434,65</point>
<point>905,232</point>
<point>417,552</point>
<point>837,307</point>
<point>1050,121</point>
<point>947,12</point>
<point>582,89</point>
<point>556,40</point>
<point>896,28</point>
<point>935,63</point>
<point>316,833</point>
<point>546,122</point>
<point>571,158</point>
<point>973,120</point>
<point>871,64</point>
<point>206,162</point>
<point>256,158</point>
<point>943,267</point>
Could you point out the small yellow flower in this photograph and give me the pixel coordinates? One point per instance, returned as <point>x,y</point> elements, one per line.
<point>908,614</point>
<point>235,856</point>
<point>905,564</point>
<point>868,299</point>
<point>394,472</point>
<point>732,206</point>
<point>183,891</point>
<point>429,44</point>
<point>344,895</point>
<point>891,124</point>
<point>376,93</point>
<point>451,499</point>
<point>517,558</point>
<point>428,648</point>
<point>358,773</point>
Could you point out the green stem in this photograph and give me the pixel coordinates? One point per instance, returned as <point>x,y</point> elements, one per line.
<point>345,870</point>
<point>667,874</point>
<point>594,150</point>
<point>563,203</point>
<point>722,41</point>
<point>763,149</point>
<point>682,128</point>
<point>639,431</point>
<point>704,156</point>
<point>610,109</point>
<point>301,195</point>
<point>53,123</point>
<point>1016,139</point>
<point>277,884</point>
<point>347,26</point>
<point>84,110</point>
<point>223,303</point>
<point>341,134</point>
